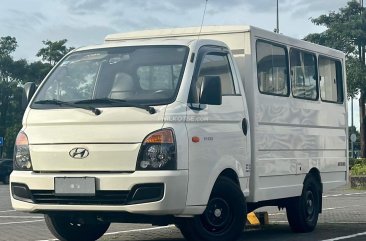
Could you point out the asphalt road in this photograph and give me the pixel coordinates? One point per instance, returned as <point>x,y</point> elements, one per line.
<point>343,218</point>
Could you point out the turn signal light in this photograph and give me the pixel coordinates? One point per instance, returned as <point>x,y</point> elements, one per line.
<point>160,137</point>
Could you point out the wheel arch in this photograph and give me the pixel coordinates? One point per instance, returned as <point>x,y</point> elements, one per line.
<point>231,174</point>
<point>200,192</point>
<point>314,172</point>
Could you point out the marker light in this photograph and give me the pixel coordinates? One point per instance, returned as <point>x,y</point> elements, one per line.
<point>22,160</point>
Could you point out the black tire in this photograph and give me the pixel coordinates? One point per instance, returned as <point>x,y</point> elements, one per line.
<point>72,229</point>
<point>224,218</point>
<point>303,212</point>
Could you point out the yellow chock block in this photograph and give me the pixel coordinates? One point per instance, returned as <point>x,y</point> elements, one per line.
<point>257,218</point>
<point>252,219</point>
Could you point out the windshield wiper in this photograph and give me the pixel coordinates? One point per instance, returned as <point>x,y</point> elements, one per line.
<point>119,102</point>
<point>96,111</point>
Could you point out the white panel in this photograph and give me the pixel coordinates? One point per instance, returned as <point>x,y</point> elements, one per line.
<point>222,145</point>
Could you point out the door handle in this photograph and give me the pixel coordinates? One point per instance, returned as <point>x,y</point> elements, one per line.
<point>244,126</point>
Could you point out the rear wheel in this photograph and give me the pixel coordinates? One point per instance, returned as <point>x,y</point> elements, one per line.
<point>224,218</point>
<point>303,212</point>
<point>75,229</point>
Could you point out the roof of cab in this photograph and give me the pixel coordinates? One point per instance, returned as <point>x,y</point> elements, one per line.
<point>191,32</point>
<point>146,42</point>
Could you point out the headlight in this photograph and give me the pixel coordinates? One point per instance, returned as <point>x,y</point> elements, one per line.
<point>22,160</point>
<point>158,151</point>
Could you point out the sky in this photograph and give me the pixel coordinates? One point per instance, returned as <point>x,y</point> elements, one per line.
<point>85,22</point>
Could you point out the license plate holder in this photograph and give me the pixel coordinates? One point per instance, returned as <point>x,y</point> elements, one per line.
<point>75,186</point>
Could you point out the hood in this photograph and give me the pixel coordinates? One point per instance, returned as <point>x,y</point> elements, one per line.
<point>113,125</point>
<point>112,139</point>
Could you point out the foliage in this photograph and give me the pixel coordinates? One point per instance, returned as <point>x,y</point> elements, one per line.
<point>7,46</point>
<point>37,71</point>
<point>346,31</point>
<point>53,51</point>
<point>358,170</point>
<point>8,84</point>
<point>13,74</point>
<point>356,144</point>
<point>356,77</point>
<point>357,161</point>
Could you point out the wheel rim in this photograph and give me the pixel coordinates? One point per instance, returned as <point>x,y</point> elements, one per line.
<point>75,224</point>
<point>310,205</point>
<point>217,217</point>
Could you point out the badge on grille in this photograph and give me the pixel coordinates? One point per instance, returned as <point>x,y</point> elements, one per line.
<point>79,153</point>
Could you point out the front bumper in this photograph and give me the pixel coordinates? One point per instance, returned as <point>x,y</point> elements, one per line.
<point>173,201</point>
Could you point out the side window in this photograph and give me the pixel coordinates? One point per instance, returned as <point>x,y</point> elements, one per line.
<point>216,64</point>
<point>331,84</point>
<point>272,69</point>
<point>304,76</point>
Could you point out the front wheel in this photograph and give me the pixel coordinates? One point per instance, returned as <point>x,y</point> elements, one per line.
<point>303,212</point>
<point>75,229</point>
<point>224,218</point>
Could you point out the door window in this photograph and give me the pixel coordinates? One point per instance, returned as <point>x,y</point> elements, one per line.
<point>215,64</point>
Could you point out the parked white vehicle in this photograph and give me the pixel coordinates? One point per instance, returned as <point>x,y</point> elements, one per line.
<point>166,126</point>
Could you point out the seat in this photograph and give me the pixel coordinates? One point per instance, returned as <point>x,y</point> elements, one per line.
<point>123,86</point>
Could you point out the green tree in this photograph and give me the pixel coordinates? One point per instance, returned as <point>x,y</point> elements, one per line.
<point>7,46</point>
<point>346,31</point>
<point>53,51</point>
<point>11,73</point>
<point>356,144</point>
<point>37,71</point>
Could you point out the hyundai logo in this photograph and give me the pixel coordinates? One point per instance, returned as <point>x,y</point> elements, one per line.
<point>79,153</point>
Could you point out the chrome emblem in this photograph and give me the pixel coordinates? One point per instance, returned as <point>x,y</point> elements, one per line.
<point>79,153</point>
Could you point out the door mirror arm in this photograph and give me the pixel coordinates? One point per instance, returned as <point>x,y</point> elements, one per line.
<point>197,106</point>
<point>29,89</point>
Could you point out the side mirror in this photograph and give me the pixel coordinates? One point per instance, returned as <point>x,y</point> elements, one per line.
<point>28,91</point>
<point>211,90</point>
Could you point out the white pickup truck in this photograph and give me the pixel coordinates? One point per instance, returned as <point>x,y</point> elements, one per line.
<point>176,127</point>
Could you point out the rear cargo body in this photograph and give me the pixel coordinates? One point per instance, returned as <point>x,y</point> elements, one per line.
<point>289,136</point>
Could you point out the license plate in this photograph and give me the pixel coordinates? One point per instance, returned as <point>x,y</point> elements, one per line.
<point>75,186</point>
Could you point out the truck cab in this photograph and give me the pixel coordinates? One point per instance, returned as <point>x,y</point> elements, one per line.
<point>106,137</point>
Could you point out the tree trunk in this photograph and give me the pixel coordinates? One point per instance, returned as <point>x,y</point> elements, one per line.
<point>362,124</point>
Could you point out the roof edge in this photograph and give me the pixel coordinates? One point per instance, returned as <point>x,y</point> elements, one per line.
<point>176,32</point>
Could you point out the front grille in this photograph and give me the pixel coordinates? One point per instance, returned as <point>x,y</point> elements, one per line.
<point>100,198</point>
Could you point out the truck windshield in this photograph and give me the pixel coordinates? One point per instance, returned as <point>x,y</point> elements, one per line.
<point>143,75</point>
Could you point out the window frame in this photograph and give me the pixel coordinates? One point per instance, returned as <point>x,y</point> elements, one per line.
<point>339,64</point>
<point>287,67</point>
<point>108,49</point>
<point>236,78</point>
<point>202,53</point>
<point>316,74</point>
